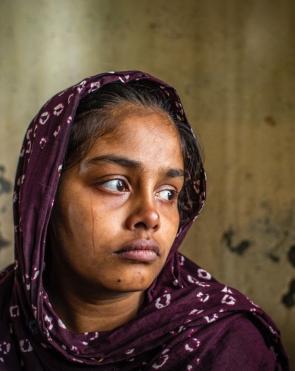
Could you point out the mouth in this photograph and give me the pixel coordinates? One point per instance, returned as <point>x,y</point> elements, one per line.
<point>142,251</point>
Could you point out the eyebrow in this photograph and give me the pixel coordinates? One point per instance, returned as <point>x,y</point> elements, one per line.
<point>132,164</point>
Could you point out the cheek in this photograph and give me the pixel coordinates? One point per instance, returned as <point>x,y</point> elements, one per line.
<point>78,217</point>
<point>75,220</point>
<point>107,220</point>
<point>169,229</point>
<point>171,219</point>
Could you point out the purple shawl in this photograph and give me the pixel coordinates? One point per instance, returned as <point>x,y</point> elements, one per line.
<point>188,321</point>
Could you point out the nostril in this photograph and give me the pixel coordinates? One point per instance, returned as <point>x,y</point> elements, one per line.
<point>140,225</point>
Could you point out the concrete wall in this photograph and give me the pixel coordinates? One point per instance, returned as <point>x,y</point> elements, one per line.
<point>233,62</point>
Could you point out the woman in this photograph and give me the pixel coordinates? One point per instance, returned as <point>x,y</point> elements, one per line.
<point>109,181</point>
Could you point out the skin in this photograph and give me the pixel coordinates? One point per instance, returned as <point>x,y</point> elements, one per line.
<point>125,189</point>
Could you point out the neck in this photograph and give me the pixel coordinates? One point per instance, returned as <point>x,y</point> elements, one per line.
<point>84,311</point>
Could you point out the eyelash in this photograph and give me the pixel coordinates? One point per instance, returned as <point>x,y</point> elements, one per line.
<point>174,192</point>
<point>114,180</point>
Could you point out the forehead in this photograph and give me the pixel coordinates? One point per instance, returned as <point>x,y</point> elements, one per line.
<point>144,134</point>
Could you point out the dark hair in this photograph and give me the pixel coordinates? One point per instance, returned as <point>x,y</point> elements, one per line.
<point>93,119</point>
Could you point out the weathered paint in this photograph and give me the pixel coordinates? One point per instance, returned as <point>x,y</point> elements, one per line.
<point>288,299</point>
<point>237,248</point>
<point>291,255</point>
<point>5,184</point>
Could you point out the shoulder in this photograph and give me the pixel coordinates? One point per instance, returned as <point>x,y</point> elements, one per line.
<point>237,342</point>
<point>230,343</point>
<point>225,330</point>
<point>6,283</point>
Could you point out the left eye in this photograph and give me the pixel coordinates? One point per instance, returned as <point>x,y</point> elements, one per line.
<point>115,185</point>
<point>167,194</point>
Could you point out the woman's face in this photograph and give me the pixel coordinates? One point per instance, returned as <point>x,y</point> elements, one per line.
<point>116,213</point>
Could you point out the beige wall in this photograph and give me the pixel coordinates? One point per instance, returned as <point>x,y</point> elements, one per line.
<point>233,62</point>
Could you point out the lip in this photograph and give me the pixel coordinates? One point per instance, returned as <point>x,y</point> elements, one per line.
<point>143,251</point>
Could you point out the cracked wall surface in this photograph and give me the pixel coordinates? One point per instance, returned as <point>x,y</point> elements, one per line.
<point>233,63</point>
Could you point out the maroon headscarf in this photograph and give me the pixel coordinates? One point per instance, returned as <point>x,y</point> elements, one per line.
<point>188,320</point>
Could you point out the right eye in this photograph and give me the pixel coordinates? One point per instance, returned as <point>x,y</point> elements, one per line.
<point>115,185</point>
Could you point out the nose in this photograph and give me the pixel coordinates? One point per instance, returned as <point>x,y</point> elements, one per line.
<point>144,216</point>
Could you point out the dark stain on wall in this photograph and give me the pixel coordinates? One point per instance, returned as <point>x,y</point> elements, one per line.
<point>269,120</point>
<point>273,257</point>
<point>288,299</point>
<point>3,241</point>
<point>5,185</point>
<point>291,255</point>
<point>237,248</point>
<point>275,252</point>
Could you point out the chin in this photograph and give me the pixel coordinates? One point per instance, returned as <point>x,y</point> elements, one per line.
<point>132,288</point>
<point>138,282</point>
